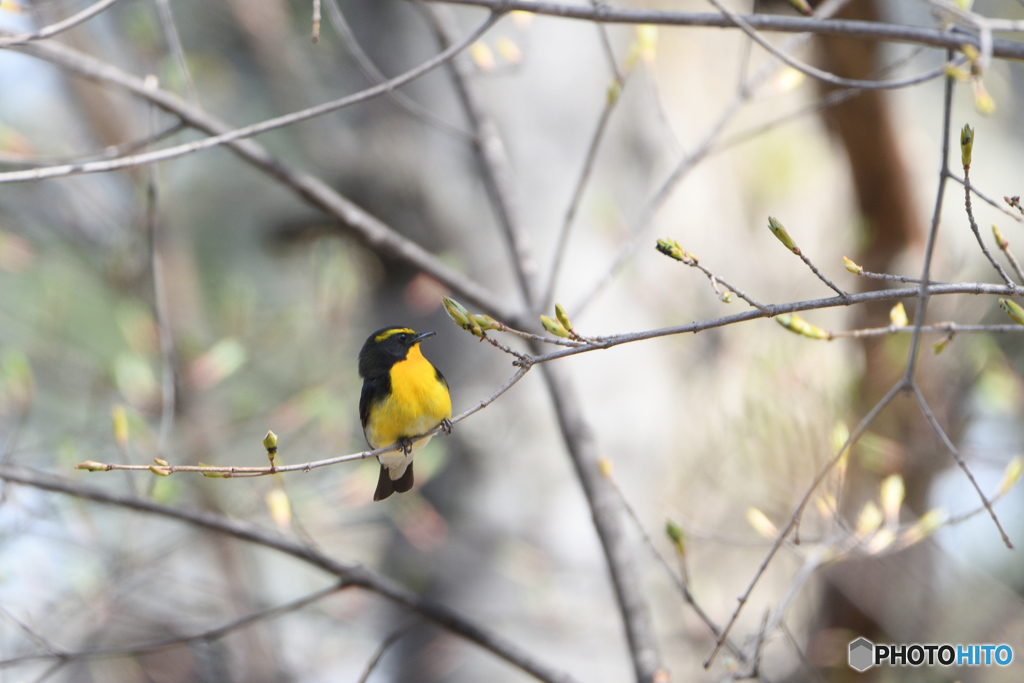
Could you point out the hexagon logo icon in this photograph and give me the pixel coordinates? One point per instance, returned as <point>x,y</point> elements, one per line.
<point>862,654</point>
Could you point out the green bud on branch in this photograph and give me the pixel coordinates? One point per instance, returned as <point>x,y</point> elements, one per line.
<point>779,231</point>
<point>554,327</point>
<point>794,323</point>
<point>966,145</point>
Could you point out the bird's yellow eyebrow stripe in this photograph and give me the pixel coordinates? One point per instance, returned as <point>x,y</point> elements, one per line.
<point>390,333</point>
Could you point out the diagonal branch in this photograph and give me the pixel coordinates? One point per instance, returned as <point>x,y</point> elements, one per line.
<point>948,443</point>
<point>372,231</point>
<point>490,151</point>
<point>256,128</point>
<point>350,575</point>
<point>58,27</point>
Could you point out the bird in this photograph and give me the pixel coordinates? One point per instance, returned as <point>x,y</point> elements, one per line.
<point>403,396</point>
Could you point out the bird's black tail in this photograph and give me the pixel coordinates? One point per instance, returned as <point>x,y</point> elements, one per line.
<point>385,486</point>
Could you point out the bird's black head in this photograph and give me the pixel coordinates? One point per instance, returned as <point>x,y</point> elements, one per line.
<point>385,347</point>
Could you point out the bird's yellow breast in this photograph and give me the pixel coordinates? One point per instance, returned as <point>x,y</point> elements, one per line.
<point>418,402</point>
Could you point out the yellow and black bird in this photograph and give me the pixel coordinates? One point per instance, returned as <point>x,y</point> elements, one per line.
<point>403,396</point>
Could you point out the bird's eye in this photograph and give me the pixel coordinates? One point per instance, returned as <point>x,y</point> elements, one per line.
<point>403,337</point>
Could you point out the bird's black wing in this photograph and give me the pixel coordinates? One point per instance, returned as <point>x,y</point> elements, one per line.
<point>375,390</point>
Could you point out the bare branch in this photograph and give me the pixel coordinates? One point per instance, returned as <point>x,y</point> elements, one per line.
<point>254,129</point>
<point>372,231</point>
<point>350,575</point>
<point>230,472</point>
<point>948,443</point>
<point>867,30</point>
<point>58,27</point>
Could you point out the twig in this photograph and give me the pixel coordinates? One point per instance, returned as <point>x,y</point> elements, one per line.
<point>987,200</point>
<point>868,30</point>
<point>950,327</point>
<point>385,645</point>
<point>814,72</point>
<point>493,157</point>
<point>374,75</point>
<point>351,575</point>
<point>703,148</point>
<point>607,342</point>
<point>925,287</point>
<point>800,652</point>
<point>890,278</point>
<point>690,260</point>
<point>1004,246</point>
<point>798,512</point>
<point>832,285</point>
<point>208,635</point>
<point>314,191</point>
<point>32,161</point>
<point>959,461</point>
<point>977,232</point>
<point>241,471</point>
<point>57,27</point>
<point>680,580</point>
<point>579,439</point>
<point>174,42</point>
<point>614,94</point>
<point>577,433</point>
<point>255,129</point>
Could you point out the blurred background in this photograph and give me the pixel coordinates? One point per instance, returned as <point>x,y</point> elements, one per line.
<point>266,303</point>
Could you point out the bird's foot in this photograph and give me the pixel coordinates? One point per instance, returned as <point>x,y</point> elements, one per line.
<point>446,426</point>
<point>406,445</point>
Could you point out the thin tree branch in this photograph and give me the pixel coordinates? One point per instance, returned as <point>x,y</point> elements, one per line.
<point>372,231</point>
<point>612,98</point>
<point>493,157</point>
<point>57,27</point>
<point>602,343</point>
<point>814,72</point>
<point>798,512</point>
<point>375,76</point>
<point>254,129</point>
<point>868,30</point>
<point>948,443</point>
<point>977,233</point>
<point>992,202</point>
<point>173,38</point>
<point>924,289</point>
<point>385,645</point>
<point>351,575</point>
<point>208,635</point>
<point>661,195</point>
<point>604,507</point>
<point>230,472</point>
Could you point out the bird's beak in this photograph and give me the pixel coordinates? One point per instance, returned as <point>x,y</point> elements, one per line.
<point>420,337</point>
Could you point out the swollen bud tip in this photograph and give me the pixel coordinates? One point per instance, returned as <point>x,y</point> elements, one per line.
<point>554,327</point>
<point>852,267</point>
<point>966,145</point>
<point>794,323</point>
<point>1000,240</point>
<point>461,316</point>
<point>270,442</point>
<point>779,231</point>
